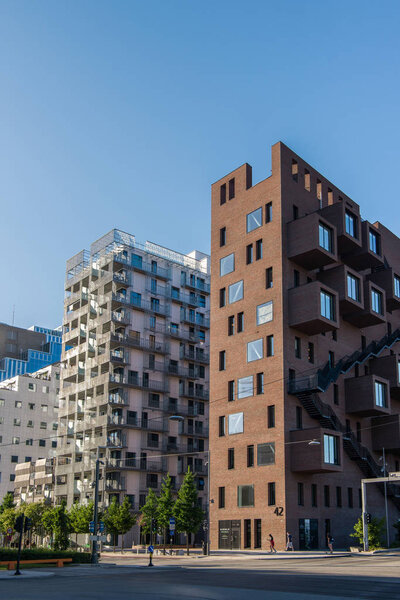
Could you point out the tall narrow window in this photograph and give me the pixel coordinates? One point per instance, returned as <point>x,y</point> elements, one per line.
<point>259,249</point>
<point>353,287</point>
<point>376,302</point>
<point>231,391</point>
<point>300,494</point>
<point>221,425</point>
<point>325,238</point>
<point>268,212</point>
<point>231,325</point>
<point>295,212</point>
<point>350,224</point>
<point>271,493</point>
<point>271,416</point>
<point>380,394</point>
<point>295,170</point>
<point>250,456</point>
<point>327,305</point>
<point>350,497</point>
<point>222,194</point>
<point>231,458</point>
<point>296,278</point>
<point>331,449</point>
<point>254,220</point>
<point>270,345</point>
<point>327,500</point>
<point>221,497</point>
<point>307,180</point>
<point>310,352</point>
<point>222,297</point>
<point>222,360</point>
<point>260,383</point>
<point>257,533</point>
<point>222,236</point>
<point>374,245</point>
<point>299,417</point>
<point>396,281</point>
<point>335,393</point>
<point>240,322</point>
<point>249,254</point>
<point>338,496</point>
<point>268,278</point>
<point>231,184</point>
<point>331,359</point>
<point>297,347</point>
<point>247,533</point>
<point>314,499</point>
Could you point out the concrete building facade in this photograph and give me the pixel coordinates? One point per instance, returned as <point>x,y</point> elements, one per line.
<point>135,376</point>
<point>28,422</point>
<point>304,369</point>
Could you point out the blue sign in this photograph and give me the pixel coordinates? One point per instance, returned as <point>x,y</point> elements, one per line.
<point>101,526</point>
<point>150,549</point>
<point>172,521</point>
<point>171,533</point>
<point>91,526</point>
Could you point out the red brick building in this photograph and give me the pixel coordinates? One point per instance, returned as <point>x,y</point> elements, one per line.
<point>305,389</point>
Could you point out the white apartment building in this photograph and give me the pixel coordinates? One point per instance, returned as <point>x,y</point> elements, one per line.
<point>28,421</point>
<point>135,370</point>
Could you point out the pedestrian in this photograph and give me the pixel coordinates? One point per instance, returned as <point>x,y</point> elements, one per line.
<point>329,540</point>
<point>289,543</point>
<point>271,544</point>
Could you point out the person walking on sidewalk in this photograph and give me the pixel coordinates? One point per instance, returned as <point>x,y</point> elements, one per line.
<point>329,540</point>
<point>271,544</point>
<point>289,543</point>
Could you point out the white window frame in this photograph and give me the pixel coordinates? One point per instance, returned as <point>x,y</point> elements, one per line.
<point>245,387</point>
<point>235,423</point>
<point>235,292</point>
<point>226,260</point>
<point>265,312</point>
<point>331,449</point>
<point>254,220</point>
<point>255,350</point>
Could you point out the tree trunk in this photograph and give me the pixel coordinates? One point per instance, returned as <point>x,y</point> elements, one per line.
<point>165,539</point>
<point>76,541</point>
<point>187,542</point>
<point>122,543</point>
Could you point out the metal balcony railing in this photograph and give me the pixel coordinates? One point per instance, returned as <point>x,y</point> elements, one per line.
<point>140,304</point>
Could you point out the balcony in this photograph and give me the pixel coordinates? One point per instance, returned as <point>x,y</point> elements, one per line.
<point>364,396</point>
<point>140,343</point>
<point>199,394</point>
<point>374,307</point>
<point>190,430</point>
<point>119,398</point>
<point>388,367</point>
<point>182,372</point>
<point>139,382</point>
<point>305,244</point>
<point>194,284</point>
<point>347,221</point>
<point>115,485</point>
<point>143,266</point>
<point>121,317</point>
<point>119,357</point>
<point>349,286</point>
<point>198,320</point>
<point>369,255</point>
<point>136,464</point>
<point>195,355</point>
<point>180,297</point>
<point>306,458</point>
<point>140,304</point>
<point>306,308</point>
<point>389,281</point>
<point>116,441</point>
<point>385,433</point>
<point>122,278</point>
<point>180,333</point>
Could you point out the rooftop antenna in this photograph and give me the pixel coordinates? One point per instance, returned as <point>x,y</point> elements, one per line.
<point>13,318</point>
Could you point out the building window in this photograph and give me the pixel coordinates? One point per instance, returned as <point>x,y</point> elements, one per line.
<point>376,302</point>
<point>325,237</point>
<point>235,292</point>
<point>300,494</point>
<point>297,347</point>
<point>314,499</point>
<point>231,458</point>
<point>227,264</point>
<point>266,454</point>
<point>271,493</point>
<point>397,286</point>
<point>42,443</point>
<point>43,425</point>
<point>249,254</point>
<point>335,393</point>
<point>296,278</point>
<point>235,423</point>
<point>222,236</point>
<point>254,220</point>
<point>339,497</point>
<point>258,249</point>
<point>222,194</point>
<point>245,495</point>
<point>260,383</point>
<point>269,278</point>
<point>247,533</point>
<point>222,297</point>
<point>12,477</point>
<point>231,391</point>
<point>331,449</point>
<point>350,224</point>
<point>327,500</point>
<point>307,180</point>
<point>331,359</point>
<point>18,404</point>
<point>17,422</point>
<point>231,185</point>
<point>245,387</point>
<point>221,497</point>
<point>270,345</point>
<point>310,353</point>
<point>255,350</point>
<point>271,416</point>
<point>327,305</point>
<point>299,417</point>
<point>14,459</point>
<point>15,440</point>
<point>350,497</point>
<point>240,323</point>
<point>380,394</point>
<point>268,212</point>
<point>250,456</point>
<point>374,242</point>
<point>353,288</point>
<point>221,423</point>
<point>265,312</point>
<point>28,442</point>
<point>295,212</point>
<point>222,360</point>
<point>231,325</point>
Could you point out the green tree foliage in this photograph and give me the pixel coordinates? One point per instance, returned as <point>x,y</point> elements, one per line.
<point>118,519</point>
<point>165,507</point>
<point>80,516</point>
<point>7,519</point>
<point>375,532</point>
<point>34,511</point>
<point>8,502</point>
<point>149,511</point>
<point>187,512</point>
<point>56,523</point>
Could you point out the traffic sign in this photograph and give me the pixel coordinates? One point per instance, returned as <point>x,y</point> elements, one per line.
<point>9,531</point>
<point>172,524</point>
<point>150,549</point>
<point>91,526</point>
<point>101,526</point>
<point>171,532</point>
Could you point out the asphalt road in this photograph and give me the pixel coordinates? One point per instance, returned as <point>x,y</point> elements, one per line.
<point>370,577</point>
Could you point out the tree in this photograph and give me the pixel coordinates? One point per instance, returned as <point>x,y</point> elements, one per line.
<point>56,523</point>
<point>375,532</point>
<point>8,502</point>
<point>80,516</point>
<point>7,519</point>
<point>118,519</point>
<point>165,506</point>
<point>34,511</point>
<point>187,512</point>
<point>149,512</point>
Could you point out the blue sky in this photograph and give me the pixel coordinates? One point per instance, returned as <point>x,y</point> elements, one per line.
<point>122,114</point>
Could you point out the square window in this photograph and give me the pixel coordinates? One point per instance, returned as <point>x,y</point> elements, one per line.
<point>266,454</point>
<point>265,312</point>
<point>255,350</point>
<point>235,292</point>
<point>245,387</point>
<point>235,423</point>
<point>17,422</point>
<point>18,404</point>
<point>245,495</point>
<point>15,440</point>
<point>227,264</point>
<point>254,220</point>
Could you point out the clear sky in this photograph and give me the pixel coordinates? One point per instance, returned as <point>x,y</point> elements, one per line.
<point>122,113</point>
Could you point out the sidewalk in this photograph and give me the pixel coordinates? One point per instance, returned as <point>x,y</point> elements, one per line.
<point>229,555</point>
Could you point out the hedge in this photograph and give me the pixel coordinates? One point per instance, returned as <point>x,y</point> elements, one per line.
<point>43,553</point>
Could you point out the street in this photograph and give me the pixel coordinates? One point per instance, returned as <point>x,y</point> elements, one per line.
<point>215,578</point>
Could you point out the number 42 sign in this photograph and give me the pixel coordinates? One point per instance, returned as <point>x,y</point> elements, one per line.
<point>278,511</point>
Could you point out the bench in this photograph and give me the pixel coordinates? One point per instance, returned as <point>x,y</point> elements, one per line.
<point>12,564</point>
